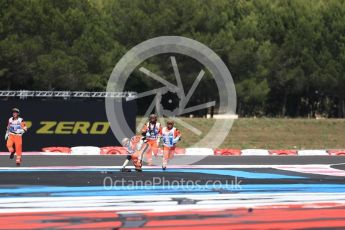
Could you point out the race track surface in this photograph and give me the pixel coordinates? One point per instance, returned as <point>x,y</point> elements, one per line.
<point>89,192</point>
<point>108,160</point>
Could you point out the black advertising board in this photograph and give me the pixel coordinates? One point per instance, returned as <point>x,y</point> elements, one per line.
<point>64,122</point>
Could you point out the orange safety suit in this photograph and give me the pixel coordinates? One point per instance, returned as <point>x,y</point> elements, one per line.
<point>152,132</point>
<point>170,137</point>
<point>15,129</point>
<point>136,150</point>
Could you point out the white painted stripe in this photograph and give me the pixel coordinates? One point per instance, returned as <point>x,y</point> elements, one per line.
<point>167,203</point>
<point>312,153</point>
<point>199,152</point>
<point>321,170</point>
<point>85,150</point>
<point>254,152</point>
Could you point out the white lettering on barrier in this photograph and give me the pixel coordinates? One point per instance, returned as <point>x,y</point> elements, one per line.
<point>85,150</point>
<point>255,152</point>
<point>199,151</point>
<point>312,153</point>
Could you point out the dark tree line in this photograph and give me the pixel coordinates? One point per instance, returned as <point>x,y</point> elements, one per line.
<point>287,58</point>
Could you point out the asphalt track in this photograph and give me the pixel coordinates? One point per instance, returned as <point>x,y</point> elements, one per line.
<point>242,192</point>
<point>68,160</point>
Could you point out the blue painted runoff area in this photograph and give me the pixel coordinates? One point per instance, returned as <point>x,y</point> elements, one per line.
<point>223,172</point>
<point>61,191</point>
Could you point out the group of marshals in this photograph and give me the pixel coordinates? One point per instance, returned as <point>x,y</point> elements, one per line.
<point>147,144</point>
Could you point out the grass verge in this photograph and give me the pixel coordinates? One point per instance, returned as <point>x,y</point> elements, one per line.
<point>273,133</point>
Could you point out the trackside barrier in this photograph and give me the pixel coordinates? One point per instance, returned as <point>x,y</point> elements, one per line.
<point>56,149</point>
<point>119,150</point>
<point>199,151</point>
<point>113,150</point>
<point>227,152</point>
<point>283,152</point>
<point>180,151</point>
<point>85,150</point>
<point>336,152</point>
<point>312,152</point>
<point>255,152</point>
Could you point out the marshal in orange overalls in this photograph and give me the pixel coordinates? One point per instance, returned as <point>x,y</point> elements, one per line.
<point>152,131</point>
<point>136,148</point>
<point>15,129</point>
<point>170,136</point>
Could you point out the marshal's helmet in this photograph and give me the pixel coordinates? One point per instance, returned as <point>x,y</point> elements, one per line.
<point>153,118</point>
<point>125,142</point>
<point>15,110</point>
